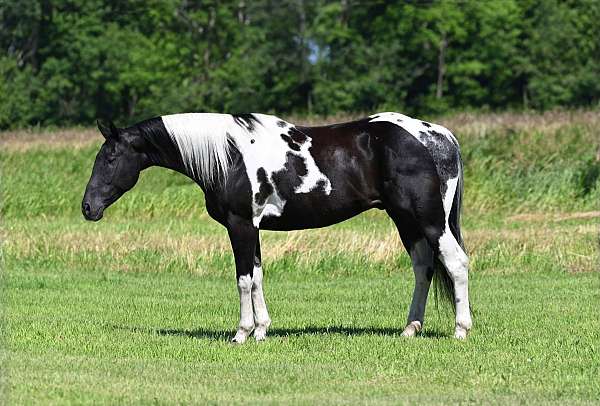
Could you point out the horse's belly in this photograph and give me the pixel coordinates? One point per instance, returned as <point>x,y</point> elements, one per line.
<point>306,213</point>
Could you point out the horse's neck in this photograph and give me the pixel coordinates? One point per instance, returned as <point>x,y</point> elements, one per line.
<point>163,152</point>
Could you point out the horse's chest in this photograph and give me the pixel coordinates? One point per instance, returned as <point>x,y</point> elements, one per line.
<point>280,169</point>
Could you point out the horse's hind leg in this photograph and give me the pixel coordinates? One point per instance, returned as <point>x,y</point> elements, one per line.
<point>418,197</point>
<point>456,262</point>
<point>421,256</point>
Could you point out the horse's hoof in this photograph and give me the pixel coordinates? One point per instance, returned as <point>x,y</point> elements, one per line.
<point>260,333</point>
<point>240,337</point>
<point>238,340</point>
<point>460,333</point>
<point>412,329</point>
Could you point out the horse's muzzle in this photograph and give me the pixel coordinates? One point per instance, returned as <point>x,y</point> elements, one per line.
<point>89,213</point>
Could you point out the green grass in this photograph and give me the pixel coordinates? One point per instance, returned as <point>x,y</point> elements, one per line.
<point>139,308</point>
<point>113,337</point>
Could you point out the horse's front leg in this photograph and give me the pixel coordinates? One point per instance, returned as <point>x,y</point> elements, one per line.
<point>243,236</point>
<point>262,321</point>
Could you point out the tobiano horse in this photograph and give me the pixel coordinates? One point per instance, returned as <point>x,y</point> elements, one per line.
<point>259,172</point>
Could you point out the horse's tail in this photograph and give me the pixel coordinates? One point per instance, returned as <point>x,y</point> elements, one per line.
<point>454,218</point>
<point>443,283</point>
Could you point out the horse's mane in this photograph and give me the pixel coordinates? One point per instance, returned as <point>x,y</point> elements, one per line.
<point>202,139</point>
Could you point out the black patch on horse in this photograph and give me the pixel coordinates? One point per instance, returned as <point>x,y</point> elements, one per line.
<point>298,136</point>
<point>290,177</point>
<point>265,189</point>
<point>426,124</point>
<point>246,120</point>
<point>443,152</point>
<point>320,186</point>
<point>290,142</point>
<point>281,124</point>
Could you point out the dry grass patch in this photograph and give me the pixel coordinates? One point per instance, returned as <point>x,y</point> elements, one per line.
<point>554,216</point>
<point>569,246</point>
<point>307,245</point>
<point>479,124</point>
<point>72,138</point>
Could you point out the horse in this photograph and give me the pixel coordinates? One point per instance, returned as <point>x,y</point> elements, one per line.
<point>259,172</point>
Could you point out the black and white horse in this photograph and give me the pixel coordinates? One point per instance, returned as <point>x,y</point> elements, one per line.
<point>260,172</point>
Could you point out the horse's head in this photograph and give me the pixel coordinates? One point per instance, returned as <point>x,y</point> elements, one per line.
<point>116,170</point>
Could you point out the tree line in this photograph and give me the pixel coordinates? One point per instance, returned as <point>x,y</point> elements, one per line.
<point>65,62</point>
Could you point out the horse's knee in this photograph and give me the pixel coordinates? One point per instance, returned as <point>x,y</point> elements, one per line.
<point>246,315</point>
<point>245,284</point>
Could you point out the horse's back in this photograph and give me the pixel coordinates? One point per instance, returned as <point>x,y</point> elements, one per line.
<point>324,175</point>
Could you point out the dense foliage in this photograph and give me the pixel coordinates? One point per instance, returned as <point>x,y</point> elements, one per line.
<point>70,61</point>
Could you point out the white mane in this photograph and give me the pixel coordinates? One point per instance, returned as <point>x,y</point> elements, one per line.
<point>202,141</point>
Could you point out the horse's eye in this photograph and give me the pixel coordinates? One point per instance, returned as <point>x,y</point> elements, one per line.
<point>111,158</point>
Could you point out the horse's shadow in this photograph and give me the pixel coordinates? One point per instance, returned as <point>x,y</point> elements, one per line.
<point>225,335</point>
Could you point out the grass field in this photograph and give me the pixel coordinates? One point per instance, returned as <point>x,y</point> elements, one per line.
<point>140,307</point>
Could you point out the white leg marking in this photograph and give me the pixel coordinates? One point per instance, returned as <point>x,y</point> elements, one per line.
<point>246,317</point>
<point>262,320</point>
<point>412,328</point>
<point>422,260</point>
<point>457,263</point>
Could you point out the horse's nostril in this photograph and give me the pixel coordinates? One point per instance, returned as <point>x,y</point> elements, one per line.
<point>86,208</point>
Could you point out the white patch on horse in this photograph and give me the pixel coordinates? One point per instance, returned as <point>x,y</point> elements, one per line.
<point>262,321</point>
<point>413,125</point>
<point>449,197</point>
<point>313,175</point>
<point>246,315</point>
<point>202,142</point>
<point>456,262</point>
<point>264,148</point>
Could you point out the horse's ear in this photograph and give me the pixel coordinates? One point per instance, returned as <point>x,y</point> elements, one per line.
<point>108,131</point>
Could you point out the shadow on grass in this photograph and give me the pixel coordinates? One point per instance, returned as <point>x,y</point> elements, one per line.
<point>226,335</point>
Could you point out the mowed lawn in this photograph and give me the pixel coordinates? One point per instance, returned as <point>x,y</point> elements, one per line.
<point>140,307</point>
